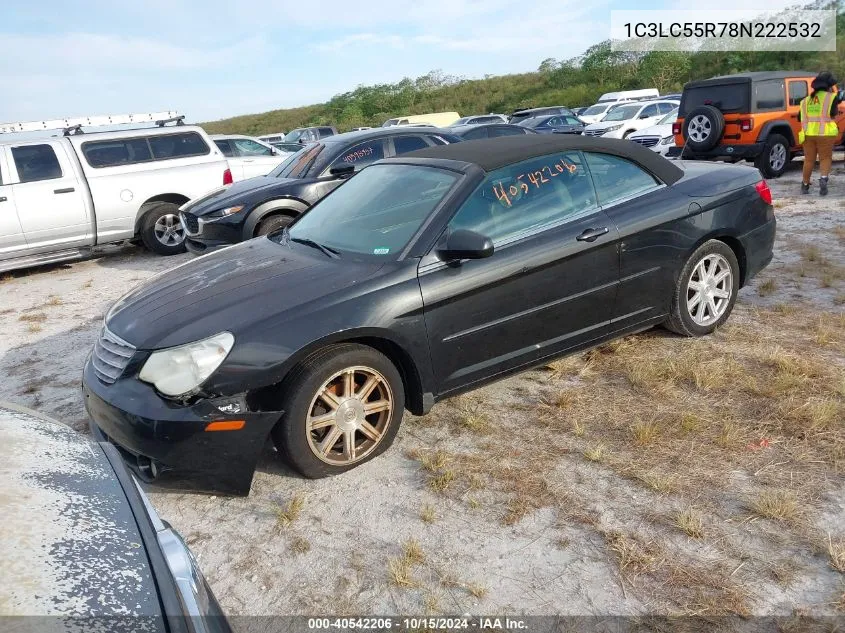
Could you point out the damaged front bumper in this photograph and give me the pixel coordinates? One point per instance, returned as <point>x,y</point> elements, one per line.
<point>177,446</point>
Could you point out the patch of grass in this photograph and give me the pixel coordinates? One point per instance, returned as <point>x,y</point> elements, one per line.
<point>400,573</point>
<point>33,327</point>
<point>291,512</point>
<point>691,423</point>
<point>632,556</point>
<point>476,591</point>
<point>690,521</point>
<point>53,301</point>
<point>778,505</point>
<point>596,453</point>
<point>473,419</point>
<point>578,428</point>
<point>839,299</point>
<point>645,432</point>
<point>660,483</point>
<point>839,231</point>
<point>473,503</point>
<point>33,317</point>
<point>432,461</point>
<point>441,481</point>
<point>87,284</point>
<point>412,552</point>
<point>428,514</point>
<point>836,551</point>
<point>812,253</point>
<point>729,436</point>
<point>300,545</point>
<point>767,288</point>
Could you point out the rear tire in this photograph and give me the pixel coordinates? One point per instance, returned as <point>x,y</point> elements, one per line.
<point>698,302</point>
<point>272,224</point>
<point>162,231</point>
<point>775,157</point>
<point>326,411</point>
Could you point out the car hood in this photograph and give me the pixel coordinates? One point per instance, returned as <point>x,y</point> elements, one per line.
<point>239,193</point>
<point>654,130</point>
<point>230,290</point>
<point>71,545</point>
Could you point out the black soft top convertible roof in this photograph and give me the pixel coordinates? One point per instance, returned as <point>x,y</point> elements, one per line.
<point>493,153</point>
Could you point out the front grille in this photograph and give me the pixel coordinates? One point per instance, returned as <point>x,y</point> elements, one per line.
<point>593,132</point>
<point>647,141</point>
<point>190,222</point>
<point>111,355</point>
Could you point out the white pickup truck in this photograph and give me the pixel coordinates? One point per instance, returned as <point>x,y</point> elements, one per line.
<point>62,195</point>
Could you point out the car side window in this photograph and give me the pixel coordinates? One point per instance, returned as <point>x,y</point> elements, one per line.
<point>768,95</point>
<point>405,144</point>
<point>225,147</point>
<point>521,199</point>
<point>554,122</point>
<point>501,130</point>
<point>616,178</point>
<point>797,92</point>
<point>246,147</point>
<point>178,145</point>
<point>571,120</point>
<point>36,162</point>
<point>325,131</point>
<point>665,108</point>
<point>116,152</point>
<point>650,111</point>
<point>361,155</point>
<point>477,133</point>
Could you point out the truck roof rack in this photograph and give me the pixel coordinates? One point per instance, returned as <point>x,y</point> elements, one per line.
<point>74,125</point>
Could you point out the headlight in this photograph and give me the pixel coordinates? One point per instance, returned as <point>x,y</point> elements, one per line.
<point>612,128</point>
<point>177,370</point>
<point>222,213</point>
<point>667,140</point>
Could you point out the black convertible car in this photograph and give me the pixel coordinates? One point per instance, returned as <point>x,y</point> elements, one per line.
<point>423,276</point>
<point>258,206</point>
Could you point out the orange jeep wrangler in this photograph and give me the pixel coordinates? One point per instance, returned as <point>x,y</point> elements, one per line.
<point>747,116</point>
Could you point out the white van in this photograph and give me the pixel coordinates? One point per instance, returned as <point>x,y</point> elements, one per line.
<point>436,119</point>
<point>630,95</point>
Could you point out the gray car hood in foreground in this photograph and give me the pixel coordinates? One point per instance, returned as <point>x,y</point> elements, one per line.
<point>70,544</point>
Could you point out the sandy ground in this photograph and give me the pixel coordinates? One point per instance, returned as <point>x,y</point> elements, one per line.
<point>335,556</point>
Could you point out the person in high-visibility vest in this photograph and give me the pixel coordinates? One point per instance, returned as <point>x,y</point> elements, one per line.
<point>819,132</point>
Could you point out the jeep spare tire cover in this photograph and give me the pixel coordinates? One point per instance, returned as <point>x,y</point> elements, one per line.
<point>703,128</point>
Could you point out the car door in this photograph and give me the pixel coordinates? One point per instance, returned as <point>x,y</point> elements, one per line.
<point>12,240</point>
<point>643,210</point>
<point>257,159</point>
<point>236,165</point>
<point>648,116</point>
<point>549,286</point>
<point>48,196</point>
<point>797,90</point>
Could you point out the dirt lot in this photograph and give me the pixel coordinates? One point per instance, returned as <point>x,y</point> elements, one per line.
<point>654,475</point>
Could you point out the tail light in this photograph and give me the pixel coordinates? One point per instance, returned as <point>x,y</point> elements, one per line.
<point>227,177</point>
<point>762,188</point>
<point>676,128</point>
<point>746,125</point>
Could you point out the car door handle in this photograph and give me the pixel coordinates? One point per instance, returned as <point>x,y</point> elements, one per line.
<point>65,190</point>
<point>591,235</point>
<point>3,198</point>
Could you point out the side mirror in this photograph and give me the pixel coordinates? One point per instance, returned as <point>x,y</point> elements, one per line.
<point>465,244</point>
<point>644,116</point>
<point>344,170</point>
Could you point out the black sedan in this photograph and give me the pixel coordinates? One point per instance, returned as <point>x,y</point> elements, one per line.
<point>555,124</point>
<point>422,277</point>
<point>82,548</point>
<point>488,130</point>
<point>259,206</point>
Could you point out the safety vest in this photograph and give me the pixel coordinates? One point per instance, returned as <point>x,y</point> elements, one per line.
<point>815,116</point>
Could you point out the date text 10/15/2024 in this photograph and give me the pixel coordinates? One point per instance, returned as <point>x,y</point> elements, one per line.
<point>418,623</point>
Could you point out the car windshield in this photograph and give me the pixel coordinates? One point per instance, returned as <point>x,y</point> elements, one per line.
<point>622,113</point>
<point>596,109</point>
<point>295,165</point>
<point>669,118</point>
<point>536,121</point>
<point>376,212</point>
<point>293,135</point>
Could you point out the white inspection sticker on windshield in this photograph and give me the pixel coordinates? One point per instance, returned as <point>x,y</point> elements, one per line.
<point>381,251</point>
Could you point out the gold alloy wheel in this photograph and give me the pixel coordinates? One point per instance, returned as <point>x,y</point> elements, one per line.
<point>349,415</point>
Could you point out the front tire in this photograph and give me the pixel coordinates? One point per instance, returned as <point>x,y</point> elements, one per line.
<point>706,290</point>
<point>272,224</point>
<point>162,231</point>
<point>343,406</point>
<point>775,157</point>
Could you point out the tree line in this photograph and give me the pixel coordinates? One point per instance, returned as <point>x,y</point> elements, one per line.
<point>573,82</point>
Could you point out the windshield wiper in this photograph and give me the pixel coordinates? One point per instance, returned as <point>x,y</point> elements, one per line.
<point>309,242</point>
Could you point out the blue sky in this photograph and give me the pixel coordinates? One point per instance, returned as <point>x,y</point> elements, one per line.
<point>216,58</point>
